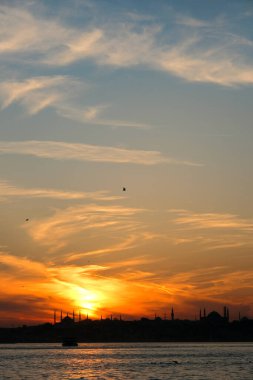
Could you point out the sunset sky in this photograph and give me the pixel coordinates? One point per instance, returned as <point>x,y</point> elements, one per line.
<point>152,95</point>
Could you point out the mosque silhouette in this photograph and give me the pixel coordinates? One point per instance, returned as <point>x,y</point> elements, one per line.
<point>211,327</point>
<point>213,317</point>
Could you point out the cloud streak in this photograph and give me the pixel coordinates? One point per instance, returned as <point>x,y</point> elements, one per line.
<point>213,221</point>
<point>36,93</point>
<point>212,230</point>
<point>59,93</point>
<point>94,219</point>
<point>8,190</point>
<point>91,115</point>
<point>132,241</point>
<point>204,51</point>
<point>84,152</point>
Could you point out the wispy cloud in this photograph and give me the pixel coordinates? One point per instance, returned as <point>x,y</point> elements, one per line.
<point>206,66</point>
<point>38,93</point>
<point>132,241</point>
<point>92,115</point>
<point>214,285</point>
<point>204,51</point>
<point>132,237</point>
<point>13,91</point>
<point>60,93</point>
<point>216,282</point>
<point>211,241</point>
<point>212,230</point>
<point>189,57</point>
<point>84,152</point>
<point>9,190</point>
<point>213,221</point>
<point>80,47</point>
<point>191,21</point>
<point>31,269</point>
<point>21,31</point>
<point>96,220</point>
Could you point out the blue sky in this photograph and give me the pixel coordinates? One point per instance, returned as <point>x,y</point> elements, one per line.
<point>152,95</point>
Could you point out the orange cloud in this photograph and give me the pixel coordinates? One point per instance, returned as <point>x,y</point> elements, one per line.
<point>32,289</point>
<point>212,231</point>
<point>57,230</point>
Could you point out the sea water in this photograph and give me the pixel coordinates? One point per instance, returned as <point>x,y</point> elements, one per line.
<point>153,361</point>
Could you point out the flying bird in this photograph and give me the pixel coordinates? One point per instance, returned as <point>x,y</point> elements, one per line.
<point>27,219</point>
<point>123,189</point>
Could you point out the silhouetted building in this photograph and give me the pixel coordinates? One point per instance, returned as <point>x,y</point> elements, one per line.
<point>210,327</point>
<point>215,318</point>
<point>66,322</point>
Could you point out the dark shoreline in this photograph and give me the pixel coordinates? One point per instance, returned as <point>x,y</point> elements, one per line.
<point>139,331</point>
<point>130,342</point>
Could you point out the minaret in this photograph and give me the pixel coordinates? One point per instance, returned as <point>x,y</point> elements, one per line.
<point>61,315</point>
<point>73,316</point>
<point>200,314</point>
<point>225,312</point>
<point>172,314</point>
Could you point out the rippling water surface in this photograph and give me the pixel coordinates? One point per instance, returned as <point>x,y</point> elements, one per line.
<point>153,361</point>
